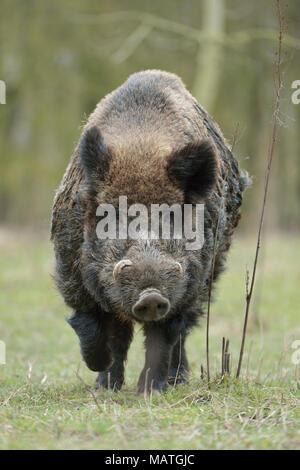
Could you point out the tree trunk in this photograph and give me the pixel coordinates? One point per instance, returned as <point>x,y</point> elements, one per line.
<point>208,68</point>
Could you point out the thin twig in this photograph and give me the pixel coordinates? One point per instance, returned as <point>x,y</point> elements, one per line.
<point>223,360</point>
<point>227,358</point>
<point>277,87</point>
<point>146,384</point>
<point>89,389</point>
<point>12,395</point>
<point>179,362</point>
<point>214,260</point>
<point>202,372</point>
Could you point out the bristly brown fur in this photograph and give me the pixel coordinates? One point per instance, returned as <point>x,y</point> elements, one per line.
<point>151,141</point>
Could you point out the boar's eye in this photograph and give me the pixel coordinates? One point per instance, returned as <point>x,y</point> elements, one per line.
<point>179,267</point>
<point>120,265</point>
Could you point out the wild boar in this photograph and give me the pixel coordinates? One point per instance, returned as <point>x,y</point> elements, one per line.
<point>148,140</point>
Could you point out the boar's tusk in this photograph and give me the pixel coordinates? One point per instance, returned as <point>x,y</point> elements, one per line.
<point>179,266</point>
<point>120,265</point>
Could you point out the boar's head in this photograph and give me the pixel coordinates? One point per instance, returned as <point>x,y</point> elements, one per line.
<point>145,280</point>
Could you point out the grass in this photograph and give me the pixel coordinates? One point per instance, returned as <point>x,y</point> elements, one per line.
<point>44,404</point>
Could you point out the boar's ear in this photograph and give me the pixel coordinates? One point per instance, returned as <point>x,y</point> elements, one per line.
<point>94,156</point>
<point>195,168</point>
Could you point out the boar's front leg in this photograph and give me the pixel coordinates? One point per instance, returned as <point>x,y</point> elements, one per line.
<point>92,330</point>
<point>160,340</point>
<point>119,342</point>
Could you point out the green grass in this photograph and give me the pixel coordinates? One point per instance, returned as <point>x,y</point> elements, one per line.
<point>45,405</point>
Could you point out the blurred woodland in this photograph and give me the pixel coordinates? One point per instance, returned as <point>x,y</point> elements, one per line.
<point>58,58</point>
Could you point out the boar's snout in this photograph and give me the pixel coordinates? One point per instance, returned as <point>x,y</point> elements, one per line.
<point>151,306</point>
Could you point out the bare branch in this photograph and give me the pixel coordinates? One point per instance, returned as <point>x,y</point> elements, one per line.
<point>223,353</point>
<point>277,88</point>
<point>229,39</point>
<point>132,43</point>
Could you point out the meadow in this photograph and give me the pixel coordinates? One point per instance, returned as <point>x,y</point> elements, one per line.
<point>48,398</point>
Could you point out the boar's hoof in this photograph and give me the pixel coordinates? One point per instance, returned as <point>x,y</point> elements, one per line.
<point>177,377</point>
<point>109,381</point>
<point>151,385</point>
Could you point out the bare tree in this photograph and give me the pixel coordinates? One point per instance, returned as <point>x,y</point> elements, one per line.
<point>208,69</point>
